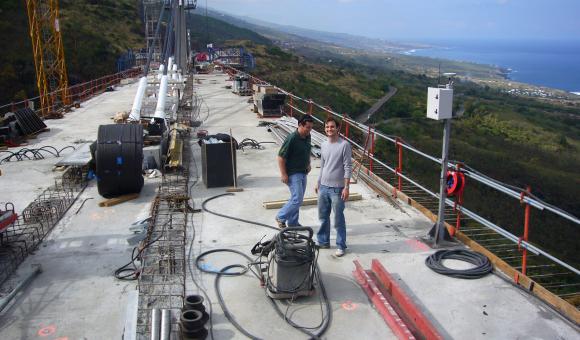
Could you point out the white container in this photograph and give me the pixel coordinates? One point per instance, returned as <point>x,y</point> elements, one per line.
<point>439,103</point>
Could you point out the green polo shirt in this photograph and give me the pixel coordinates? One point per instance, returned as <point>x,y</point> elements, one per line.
<point>296,152</point>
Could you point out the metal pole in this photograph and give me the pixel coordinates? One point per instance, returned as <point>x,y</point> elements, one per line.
<point>439,232</point>
<point>400,165</point>
<point>372,151</point>
<point>155,324</point>
<point>165,324</point>
<point>526,232</point>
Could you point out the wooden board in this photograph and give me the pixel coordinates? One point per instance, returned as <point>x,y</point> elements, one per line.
<point>116,200</point>
<point>306,201</point>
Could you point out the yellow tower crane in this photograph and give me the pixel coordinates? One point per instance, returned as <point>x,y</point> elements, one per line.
<point>48,51</point>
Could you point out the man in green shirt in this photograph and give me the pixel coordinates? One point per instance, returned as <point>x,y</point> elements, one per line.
<point>294,164</point>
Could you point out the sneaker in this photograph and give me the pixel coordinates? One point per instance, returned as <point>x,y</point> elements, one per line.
<point>339,252</point>
<point>323,246</point>
<point>281,224</point>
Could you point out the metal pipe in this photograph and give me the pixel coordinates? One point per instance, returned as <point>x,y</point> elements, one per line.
<point>440,229</point>
<point>165,324</point>
<point>155,323</point>
<point>135,114</point>
<point>6,300</point>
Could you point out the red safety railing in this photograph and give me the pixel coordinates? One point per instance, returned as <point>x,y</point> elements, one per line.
<point>77,93</point>
<point>297,105</point>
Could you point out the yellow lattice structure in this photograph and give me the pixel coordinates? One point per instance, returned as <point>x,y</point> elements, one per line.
<point>48,52</point>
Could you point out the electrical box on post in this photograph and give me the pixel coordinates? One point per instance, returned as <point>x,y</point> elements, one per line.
<point>439,103</point>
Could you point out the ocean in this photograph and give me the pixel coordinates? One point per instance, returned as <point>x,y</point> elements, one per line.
<point>554,64</point>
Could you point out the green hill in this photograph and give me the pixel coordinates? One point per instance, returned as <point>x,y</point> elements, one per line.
<point>94,34</point>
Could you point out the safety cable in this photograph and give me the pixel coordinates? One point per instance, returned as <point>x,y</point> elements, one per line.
<point>482,264</point>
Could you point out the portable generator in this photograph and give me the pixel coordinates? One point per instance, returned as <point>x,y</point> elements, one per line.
<point>291,263</point>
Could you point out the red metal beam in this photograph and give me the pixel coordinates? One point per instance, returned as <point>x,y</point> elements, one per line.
<point>406,306</point>
<point>381,303</point>
<point>397,309</point>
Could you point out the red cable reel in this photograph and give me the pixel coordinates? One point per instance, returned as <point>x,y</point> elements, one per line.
<point>455,183</point>
<point>455,186</point>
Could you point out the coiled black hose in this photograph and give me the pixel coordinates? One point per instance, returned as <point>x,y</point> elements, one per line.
<point>482,264</point>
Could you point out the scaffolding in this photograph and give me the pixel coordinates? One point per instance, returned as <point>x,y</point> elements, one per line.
<point>151,11</point>
<point>48,53</point>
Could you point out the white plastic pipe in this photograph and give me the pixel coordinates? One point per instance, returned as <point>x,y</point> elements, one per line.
<point>161,96</point>
<point>170,63</point>
<point>161,69</point>
<point>135,114</point>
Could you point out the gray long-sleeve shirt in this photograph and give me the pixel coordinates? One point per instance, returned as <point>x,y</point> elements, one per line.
<point>335,163</point>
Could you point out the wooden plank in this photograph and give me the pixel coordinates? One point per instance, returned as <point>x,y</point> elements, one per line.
<point>117,200</point>
<point>306,201</point>
<point>530,285</point>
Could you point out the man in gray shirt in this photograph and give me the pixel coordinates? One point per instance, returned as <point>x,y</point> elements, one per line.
<point>333,186</point>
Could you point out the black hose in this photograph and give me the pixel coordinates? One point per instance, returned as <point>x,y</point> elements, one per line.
<point>482,264</point>
<point>327,317</point>
<point>221,301</point>
<point>232,217</point>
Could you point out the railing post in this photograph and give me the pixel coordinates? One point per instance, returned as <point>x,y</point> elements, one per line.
<point>400,164</point>
<point>526,228</point>
<point>372,153</point>
<point>291,106</point>
<point>310,107</point>
<point>346,129</point>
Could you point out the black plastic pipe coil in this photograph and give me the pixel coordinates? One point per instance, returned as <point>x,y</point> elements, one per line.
<point>482,264</point>
<point>119,159</point>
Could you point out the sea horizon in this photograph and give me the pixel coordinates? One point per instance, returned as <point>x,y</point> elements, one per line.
<point>549,63</point>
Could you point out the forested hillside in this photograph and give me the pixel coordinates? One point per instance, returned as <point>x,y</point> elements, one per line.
<point>95,33</point>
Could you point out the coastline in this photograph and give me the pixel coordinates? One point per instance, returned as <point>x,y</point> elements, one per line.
<point>509,84</point>
<point>542,64</point>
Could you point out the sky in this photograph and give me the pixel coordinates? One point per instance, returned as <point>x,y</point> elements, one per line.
<point>420,20</point>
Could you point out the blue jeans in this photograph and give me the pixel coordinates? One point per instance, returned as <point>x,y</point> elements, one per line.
<point>290,210</point>
<point>329,199</point>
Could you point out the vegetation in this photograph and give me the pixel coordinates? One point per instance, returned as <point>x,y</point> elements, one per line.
<point>95,33</point>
